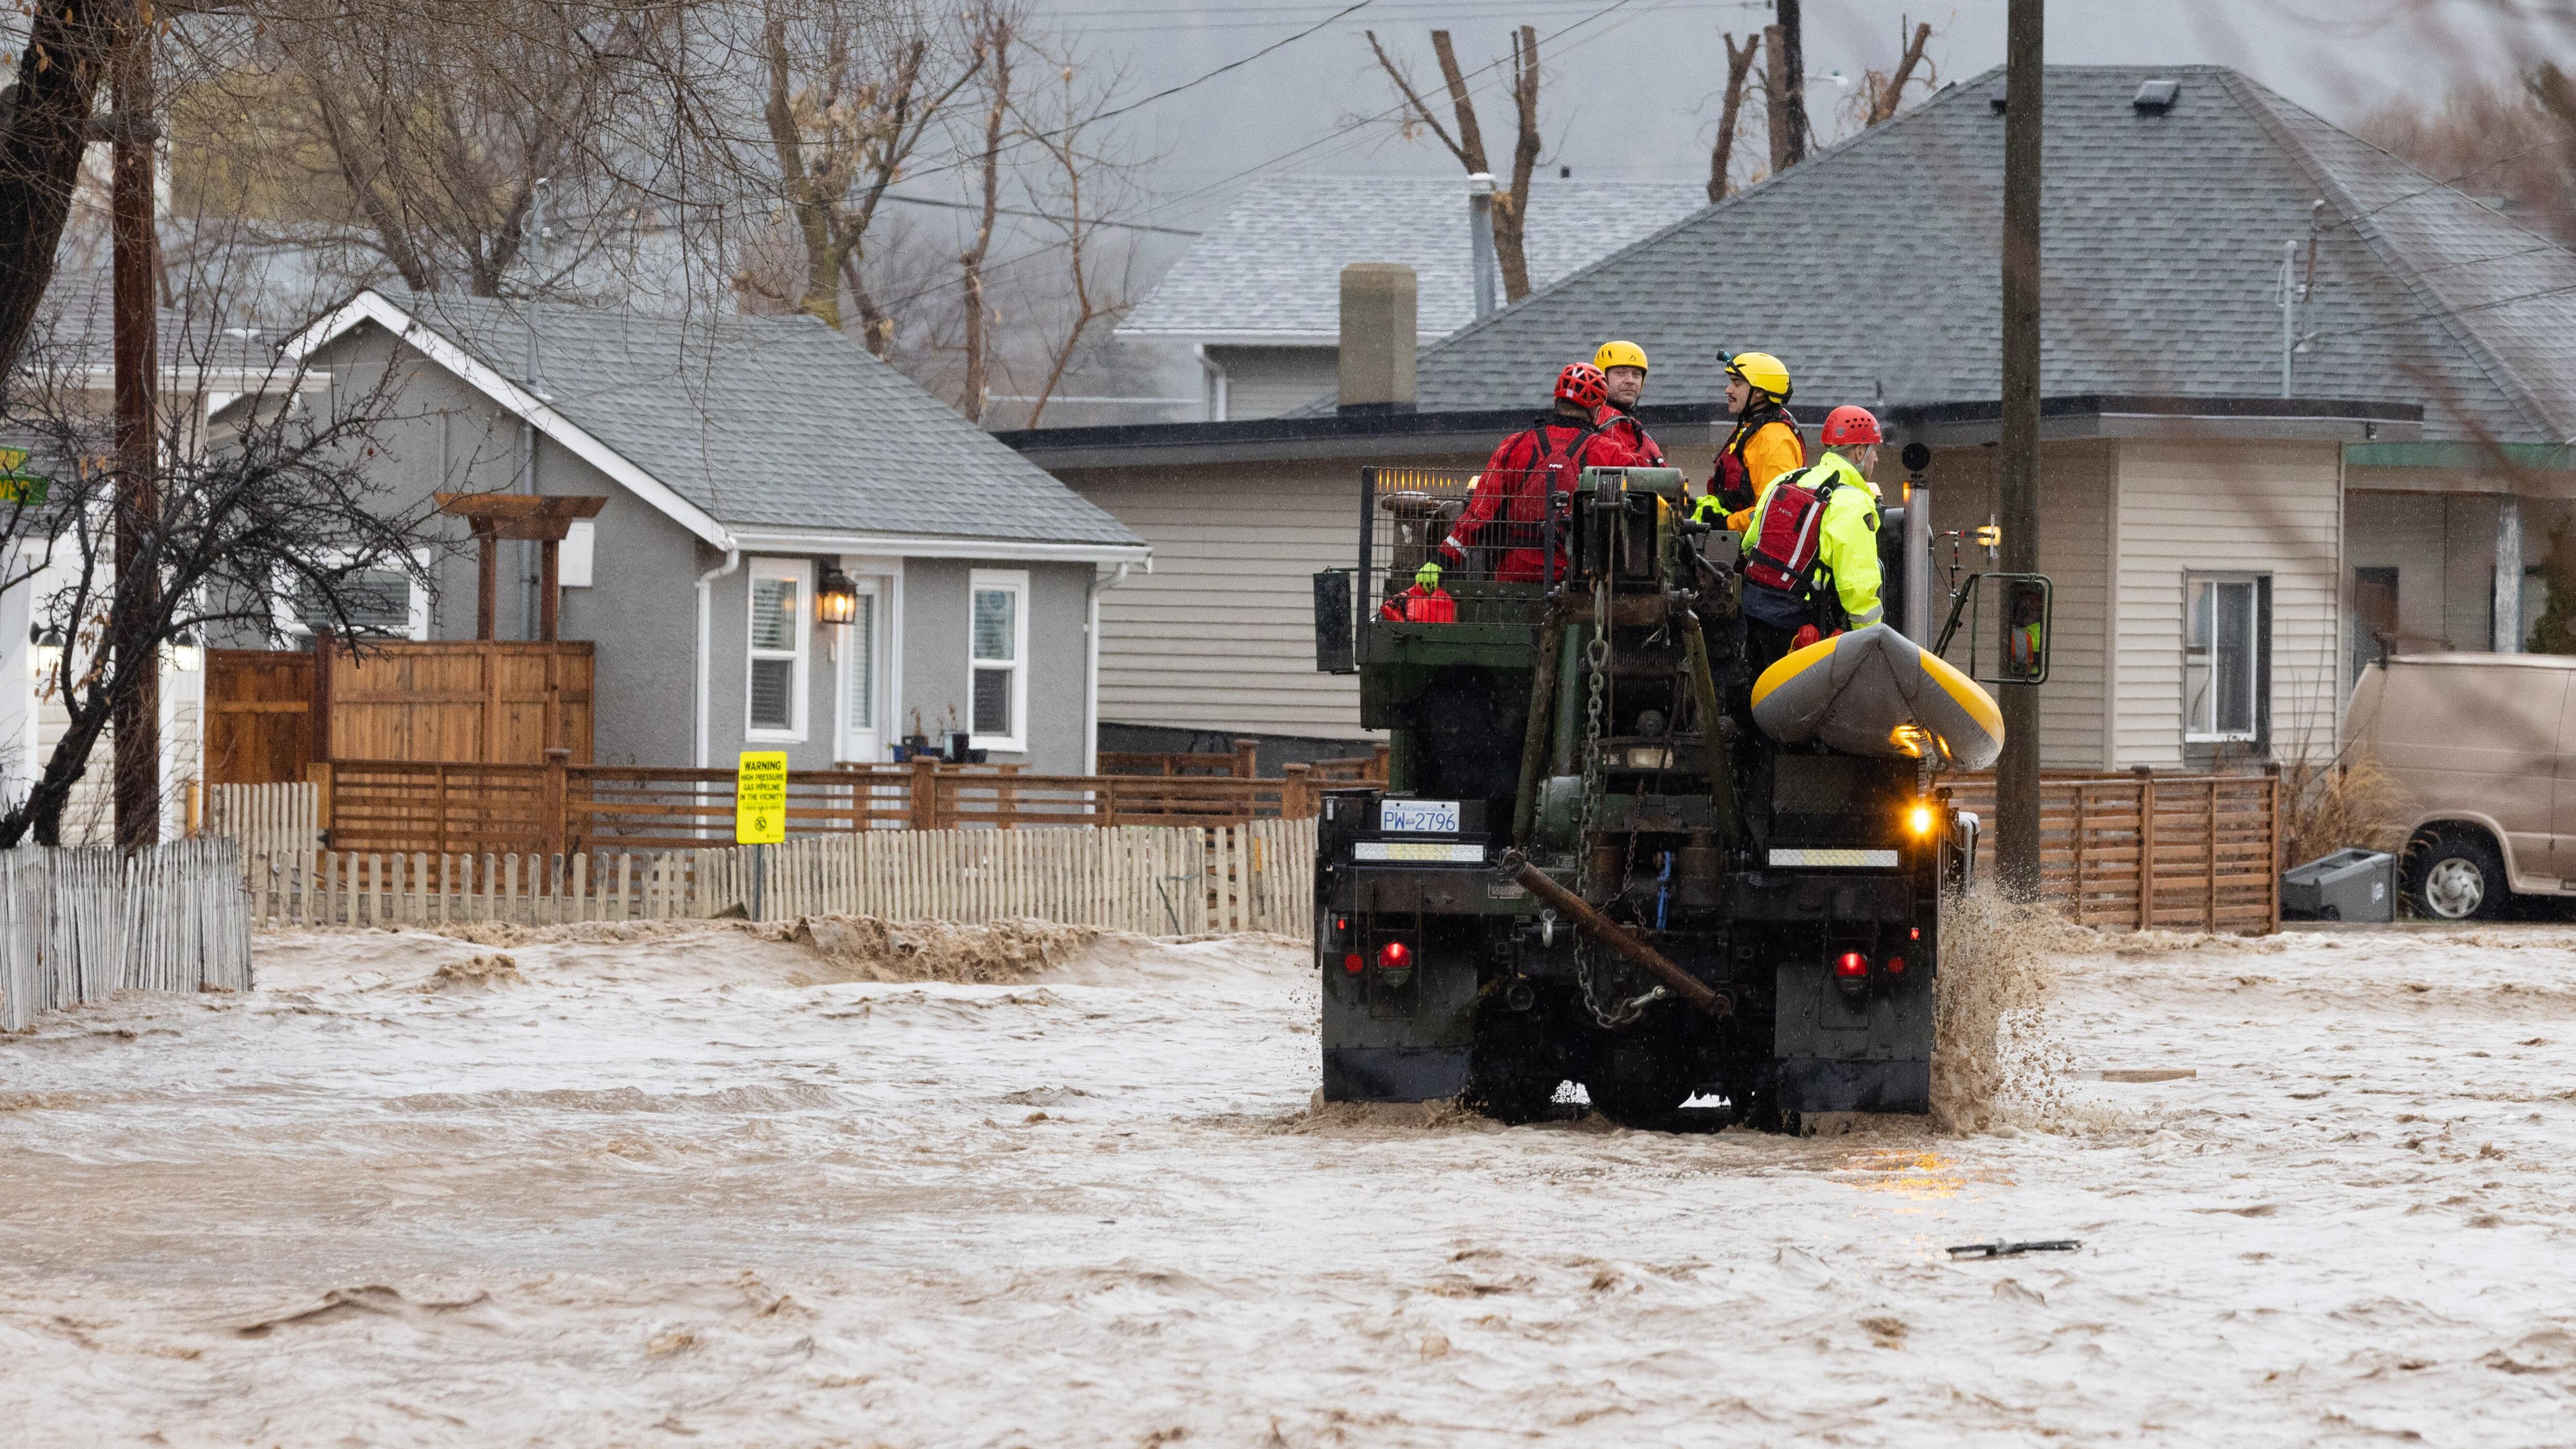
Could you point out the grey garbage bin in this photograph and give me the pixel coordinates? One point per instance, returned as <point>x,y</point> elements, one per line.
<point>2349,885</point>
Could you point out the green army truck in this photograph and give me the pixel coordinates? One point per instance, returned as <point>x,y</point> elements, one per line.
<point>1586,864</point>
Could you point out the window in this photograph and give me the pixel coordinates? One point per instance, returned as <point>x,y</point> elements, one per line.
<point>2226,668</point>
<point>382,603</point>
<point>779,587</point>
<point>997,659</point>
<point>572,559</point>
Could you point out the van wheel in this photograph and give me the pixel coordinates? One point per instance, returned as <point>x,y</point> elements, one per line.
<point>2456,875</point>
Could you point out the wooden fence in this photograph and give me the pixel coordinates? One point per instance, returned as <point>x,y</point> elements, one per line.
<point>560,808</point>
<point>80,923</point>
<point>271,715</point>
<point>1256,876</point>
<point>2140,851</point>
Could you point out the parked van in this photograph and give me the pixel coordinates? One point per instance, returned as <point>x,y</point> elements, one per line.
<point>2484,747</point>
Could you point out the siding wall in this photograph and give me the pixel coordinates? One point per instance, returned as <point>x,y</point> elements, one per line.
<point>2272,508</point>
<point>2075,491</point>
<point>1263,382</point>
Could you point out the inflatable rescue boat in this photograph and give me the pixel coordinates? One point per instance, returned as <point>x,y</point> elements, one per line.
<point>1876,693</point>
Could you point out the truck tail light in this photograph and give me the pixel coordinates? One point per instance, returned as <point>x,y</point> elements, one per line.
<point>1851,967</point>
<point>1353,963</point>
<point>1393,956</point>
<point>1895,965</point>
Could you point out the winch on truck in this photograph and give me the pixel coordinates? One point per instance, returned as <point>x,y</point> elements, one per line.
<point>1607,852</point>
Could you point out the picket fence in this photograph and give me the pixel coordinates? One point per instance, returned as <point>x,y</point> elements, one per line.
<point>77,924</point>
<point>1254,876</point>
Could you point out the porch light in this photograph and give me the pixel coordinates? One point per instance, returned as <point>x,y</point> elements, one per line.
<point>836,598</point>
<point>187,653</point>
<point>47,657</point>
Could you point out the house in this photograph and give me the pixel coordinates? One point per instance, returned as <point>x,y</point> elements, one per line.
<point>743,462</point>
<point>2242,495</point>
<point>68,365</point>
<point>1255,297</point>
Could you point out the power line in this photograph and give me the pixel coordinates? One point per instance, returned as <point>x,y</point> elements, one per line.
<point>2436,316</point>
<point>1039,215</point>
<point>1482,75</point>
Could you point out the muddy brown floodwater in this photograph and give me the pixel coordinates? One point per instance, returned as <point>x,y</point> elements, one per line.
<point>696,1186</point>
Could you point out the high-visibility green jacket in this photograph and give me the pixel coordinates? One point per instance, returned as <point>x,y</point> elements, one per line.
<point>1847,542</point>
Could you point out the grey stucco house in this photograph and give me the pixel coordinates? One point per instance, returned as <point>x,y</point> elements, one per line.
<point>741,458</point>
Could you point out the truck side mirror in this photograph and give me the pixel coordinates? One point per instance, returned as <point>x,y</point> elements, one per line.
<point>1333,621</point>
<point>2026,627</point>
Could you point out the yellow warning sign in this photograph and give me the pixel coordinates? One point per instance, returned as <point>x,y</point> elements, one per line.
<point>760,798</point>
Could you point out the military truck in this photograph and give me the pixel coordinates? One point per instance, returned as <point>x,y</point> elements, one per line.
<point>1586,863</point>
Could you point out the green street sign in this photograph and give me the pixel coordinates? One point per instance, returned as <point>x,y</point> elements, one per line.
<point>28,489</point>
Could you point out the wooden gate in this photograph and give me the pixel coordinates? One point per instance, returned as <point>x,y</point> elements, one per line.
<point>270,714</point>
<point>464,701</point>
<point>261,727</point>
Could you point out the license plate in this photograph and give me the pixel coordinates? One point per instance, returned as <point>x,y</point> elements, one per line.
<point>1431,817</point>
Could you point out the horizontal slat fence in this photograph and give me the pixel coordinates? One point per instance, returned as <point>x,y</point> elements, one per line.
<point>2137,851</point>
<point>78,924</point>
<point>559,808</point>
<point>1254,876</point>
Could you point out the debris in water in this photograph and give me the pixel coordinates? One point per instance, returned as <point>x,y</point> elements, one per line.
<point>475,973</point>
<point>2001,1249</point>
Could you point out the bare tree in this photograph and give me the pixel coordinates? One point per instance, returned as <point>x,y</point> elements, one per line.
<point>2513,137</point>
<point>851,96</point>
<point>418,137</point>
<point>1083,181</point>
<point>1511,204</point>
<point>1721,157</point>
<point>1881,93</point>
<point>995,32</point>
<point>45,126</point>
<point>1777,95</point>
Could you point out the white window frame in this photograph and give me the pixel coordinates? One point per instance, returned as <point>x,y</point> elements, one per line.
<point>865,739</point>
<point>801,573</point>
<point>1017,582</point>
<point>2194,730</point>
<point>289,623</point>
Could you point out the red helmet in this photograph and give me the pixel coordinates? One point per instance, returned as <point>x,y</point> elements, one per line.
<point>1583,385</point>
<point>1848,426</point>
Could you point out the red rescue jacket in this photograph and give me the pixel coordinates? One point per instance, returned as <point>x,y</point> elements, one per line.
<point>1621,424</point>
<point>1512,497</point>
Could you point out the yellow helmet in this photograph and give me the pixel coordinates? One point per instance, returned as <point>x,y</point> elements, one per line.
<point>1762,372</point>
<point>1620,354</point>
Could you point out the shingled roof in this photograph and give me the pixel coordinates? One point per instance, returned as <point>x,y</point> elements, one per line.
<point>1270,270</point>
<point>757,422</point>
<point>1873,270</point>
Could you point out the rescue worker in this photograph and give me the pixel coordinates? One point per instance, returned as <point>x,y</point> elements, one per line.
<point>1763,446</point>
<point>1623,371</point>
<point>1811,555</point>
<point>1512,495</point>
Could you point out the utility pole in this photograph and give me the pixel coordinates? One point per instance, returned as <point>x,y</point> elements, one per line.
<point>2017,773</point>
<point>137,720</point>
<point>1793,60</point>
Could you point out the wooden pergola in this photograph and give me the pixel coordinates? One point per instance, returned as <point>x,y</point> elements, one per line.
<point>496,516</point>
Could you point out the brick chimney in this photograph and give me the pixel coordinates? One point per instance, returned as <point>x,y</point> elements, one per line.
<point>1377,338</point>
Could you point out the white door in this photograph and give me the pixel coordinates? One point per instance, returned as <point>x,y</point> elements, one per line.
<point>865,706</point>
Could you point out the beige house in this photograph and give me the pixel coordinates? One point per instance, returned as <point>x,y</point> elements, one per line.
<point>2302,403</point>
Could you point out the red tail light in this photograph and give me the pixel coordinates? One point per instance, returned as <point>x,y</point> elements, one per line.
<point>1915,935</point>
<point>1852,964</point>
<point>1393,956</point>
<point>1895,965</point>
<point>1353,963</point>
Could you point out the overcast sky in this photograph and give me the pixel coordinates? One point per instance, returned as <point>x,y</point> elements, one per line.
<point>1631,85</point>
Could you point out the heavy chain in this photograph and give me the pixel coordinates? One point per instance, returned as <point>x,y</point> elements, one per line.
<point>1596,658</point>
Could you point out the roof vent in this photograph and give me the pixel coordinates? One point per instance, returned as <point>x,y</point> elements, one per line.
<point>2156,97</point>
<point>1998,102</point>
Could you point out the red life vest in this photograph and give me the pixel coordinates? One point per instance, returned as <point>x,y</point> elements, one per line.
<point>1418,605</point>
<point>1789,532</point>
